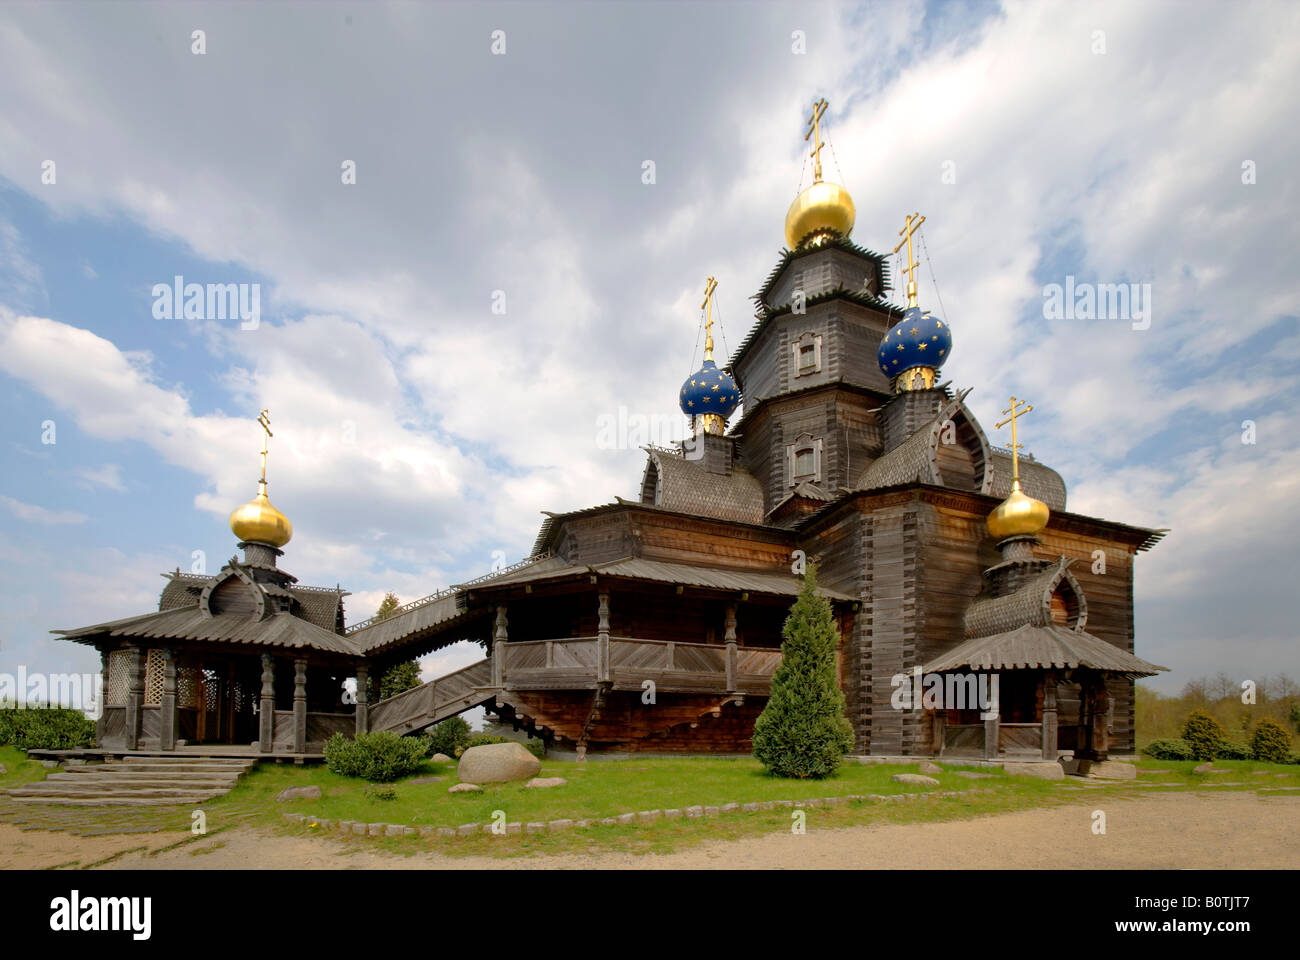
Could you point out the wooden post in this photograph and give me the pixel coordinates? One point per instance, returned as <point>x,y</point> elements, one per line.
<point>729,637</point>
<point>991,736</point>
<point>363,702</point>
<point>101,698</point>
<point>300,706</point>
<point>167,729</point>
<point>602,639</point>
<point>1049,716</point>
<point>940,731</point>
<point>134,696</point>
<point>266,707</point>
<point>500,637</point>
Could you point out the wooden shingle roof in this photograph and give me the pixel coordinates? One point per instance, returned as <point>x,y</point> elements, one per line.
<point>280,630</point>
<point>685,486</point>
<point>1048,646</point>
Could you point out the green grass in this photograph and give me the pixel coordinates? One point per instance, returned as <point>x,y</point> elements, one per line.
<point>598,789</point>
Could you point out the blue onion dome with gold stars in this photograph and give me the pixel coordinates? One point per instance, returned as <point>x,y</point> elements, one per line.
<point>918,340</point>
<point>709,390</point>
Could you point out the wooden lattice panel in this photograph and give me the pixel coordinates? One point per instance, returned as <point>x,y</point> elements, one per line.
<point>187,687</point>
<point>119,663</point>
<point>153,678</point>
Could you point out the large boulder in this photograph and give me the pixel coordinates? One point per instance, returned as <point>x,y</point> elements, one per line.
<point>497,763</point>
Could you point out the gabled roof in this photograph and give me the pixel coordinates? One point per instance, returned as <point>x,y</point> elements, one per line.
<point>1048,646</point>
<point>1031,602</point>
<point>280,630</point>
<point>1036,479</point>
<point>322,606</point>
<point>685,486</point>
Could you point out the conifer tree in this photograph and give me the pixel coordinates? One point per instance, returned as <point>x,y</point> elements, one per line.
<point>402,676</point>
<point>802,732</point>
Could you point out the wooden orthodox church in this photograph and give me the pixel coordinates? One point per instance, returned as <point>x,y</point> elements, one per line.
<point>654,623</point>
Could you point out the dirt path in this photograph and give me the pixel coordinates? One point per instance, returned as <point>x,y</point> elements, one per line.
<point>1170,832</point>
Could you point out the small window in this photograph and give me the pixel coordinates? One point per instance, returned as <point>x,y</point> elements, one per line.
<point>805,462</point>
<point>807,356</point>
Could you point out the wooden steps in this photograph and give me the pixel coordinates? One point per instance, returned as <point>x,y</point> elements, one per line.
<point>137,781</point>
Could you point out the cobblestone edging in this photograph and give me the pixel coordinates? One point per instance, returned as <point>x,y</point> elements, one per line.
<point>360,829</point>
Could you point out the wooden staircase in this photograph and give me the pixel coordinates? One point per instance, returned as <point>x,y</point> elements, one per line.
<point>436,700</point>
<point>137,781</point>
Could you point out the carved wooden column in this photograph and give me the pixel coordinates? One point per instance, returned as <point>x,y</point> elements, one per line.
<point>729,638</point>
<point>101,696</point>
<point>300,706</point>
<point>266,707</point>
<point>940,729</point>
<point>167,710</point>
<point>363,703</point>
<point>499,639</point>
<point>1049,716</point>
<point>134,696</point>
<point>602,639</point>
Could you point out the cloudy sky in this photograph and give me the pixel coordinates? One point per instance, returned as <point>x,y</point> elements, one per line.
<point>439,339</point>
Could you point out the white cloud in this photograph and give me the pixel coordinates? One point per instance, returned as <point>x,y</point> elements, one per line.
<point>33,513</point>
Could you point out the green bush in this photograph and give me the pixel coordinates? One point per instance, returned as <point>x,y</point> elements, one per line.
<point>1169,750</point>
<point>802,731</point>
<point>1203,734</point>
<point>451,737</point>
<point>1270,742</point>
<point>380,757</point>
<point>46,728</point>
<point>1232,750</point>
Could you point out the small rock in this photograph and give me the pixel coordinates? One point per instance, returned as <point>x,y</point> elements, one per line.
<point>467,829</point>
<point>75,762</point>
<point>694,812</point>
<point>446,832</point>
<point>649,816</point>
<point>540,783</point>
<point>972,775</point>
<point>375,829</point>
<point>427,832</point>
<point>766,804</point>
<point>584,823</point>
<point>464,788</point>
<point>298,793</point>
<point>3,769</point>
<point>710,811</point>
<point>514,826</point>
<point>50,764</point>
<point>672,814</point>
<point>1043,770</point>
<point>749,807</point>
<point>916,779</point>
<point>440,758</point>
<point>564,824</point>
<point>626,818</point>
<point>930,769</point>
<point>535,826</point>
<point>729,808</point>
<point>394,830</point>
<point>1203,768</point>
<point>427,780</point>
<point>609,821</point>
<point>1114,770</point>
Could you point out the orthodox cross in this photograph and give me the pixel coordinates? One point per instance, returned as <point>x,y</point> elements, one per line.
<point>709,287</point>
<point>815,132</point>
<point>914,222</point>
<point>1017,409</point>
<point>264,418</point>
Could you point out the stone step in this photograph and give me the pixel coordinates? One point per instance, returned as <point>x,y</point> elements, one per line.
<point>170,761</point>
<point>148,793</point>
<point>118,801</point>
<point>137,769</point>
<point>129,775</point>
<point>103,786</point>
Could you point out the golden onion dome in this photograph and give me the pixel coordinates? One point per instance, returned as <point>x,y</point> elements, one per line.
<point>818,212</point>
<point>1018,515</point>
<point>259,522</point>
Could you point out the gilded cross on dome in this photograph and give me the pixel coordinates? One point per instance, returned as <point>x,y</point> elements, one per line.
<point>709,286</point>
<point>815,133</point>
<point>264,418</point>
<point>1017,410</point>
<point>914,222</point>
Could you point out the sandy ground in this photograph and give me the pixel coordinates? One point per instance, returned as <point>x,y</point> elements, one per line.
<point>1185,831</point>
